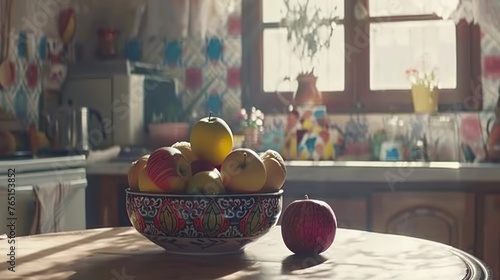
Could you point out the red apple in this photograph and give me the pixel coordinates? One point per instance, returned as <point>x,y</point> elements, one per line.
<point>169,169</point>
<point>308,226</point>
<point>201,165</point>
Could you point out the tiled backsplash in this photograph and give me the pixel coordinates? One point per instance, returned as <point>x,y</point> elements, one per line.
<point>196,62</point>
<point>361,144</point>
<point>31,60</point>
<point>215,60</point>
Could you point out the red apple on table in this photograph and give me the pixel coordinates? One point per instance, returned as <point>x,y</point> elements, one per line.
<point>308,226</point>
<point>169,169</point>
<point>200,165</point>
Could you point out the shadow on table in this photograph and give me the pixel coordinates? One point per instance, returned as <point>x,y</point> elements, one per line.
<point>157,264</point>
<point>294,263</point>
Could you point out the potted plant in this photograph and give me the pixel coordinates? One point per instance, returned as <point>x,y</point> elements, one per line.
<point>424,90</point>
<point>172,125</point>
<point>309,31</point>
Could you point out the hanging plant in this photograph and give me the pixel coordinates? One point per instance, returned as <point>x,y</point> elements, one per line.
<point>309,31</point>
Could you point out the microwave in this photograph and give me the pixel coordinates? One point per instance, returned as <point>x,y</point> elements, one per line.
<point>127,95</point>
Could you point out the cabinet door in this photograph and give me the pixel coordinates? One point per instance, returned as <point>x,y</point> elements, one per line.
<point>445,217</point>
<point>112,201</point>
<point>351,213</point>
<point>491,234</point>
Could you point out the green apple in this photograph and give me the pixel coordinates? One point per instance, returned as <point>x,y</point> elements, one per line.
<point>206,182</point>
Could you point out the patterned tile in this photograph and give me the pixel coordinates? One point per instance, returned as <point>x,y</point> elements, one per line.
<point>193,79</point>
<point>490,94</point>
<point>214,103</point>
<point>194,53</point>
<point>22,97</point>
<point>9,101</point>
<point>234,25</point>
<point>214,49</point>
<point>20,102</point>
<point>232,103</point>
<point>491,66</point>
<point>233,79</point>
<point>232,52</point>
<point>153,51</point>
<point>215,71</point>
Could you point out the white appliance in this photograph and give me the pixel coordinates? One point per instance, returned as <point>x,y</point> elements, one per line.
<point>127,95</point>
<point>29,172</point>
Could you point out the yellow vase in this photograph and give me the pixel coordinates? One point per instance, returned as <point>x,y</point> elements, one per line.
<point>425,100</point>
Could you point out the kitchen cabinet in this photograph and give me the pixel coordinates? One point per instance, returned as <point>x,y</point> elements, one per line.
<point>351,212</point>
<point>490,229</point>
<point>112,211</point>
<point>446,217</point>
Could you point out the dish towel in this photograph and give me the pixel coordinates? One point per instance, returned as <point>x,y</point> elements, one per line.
<point>50,204</point>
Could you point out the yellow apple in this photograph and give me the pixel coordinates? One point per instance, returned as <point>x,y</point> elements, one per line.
<point>185,148</point>
<point>206,182</point>
<point>133,172</point>
<point>145,183</point>
<point>211,140</point>
<point>243,171</point>
<point>275,170</point>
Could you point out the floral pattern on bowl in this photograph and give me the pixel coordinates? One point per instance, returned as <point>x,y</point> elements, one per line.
<point>203,224</point>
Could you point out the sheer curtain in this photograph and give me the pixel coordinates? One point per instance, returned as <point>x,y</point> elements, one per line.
<point>486,13</point>
<point>173,19</point>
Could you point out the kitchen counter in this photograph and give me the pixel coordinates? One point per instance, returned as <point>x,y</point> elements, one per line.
<point>359,171</point>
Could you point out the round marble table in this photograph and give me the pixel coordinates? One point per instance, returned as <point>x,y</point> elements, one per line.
<point>123,254</point>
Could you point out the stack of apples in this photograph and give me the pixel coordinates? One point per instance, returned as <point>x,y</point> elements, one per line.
<point>207,164</point>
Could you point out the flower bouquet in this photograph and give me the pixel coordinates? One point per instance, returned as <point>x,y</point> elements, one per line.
<point>424,89</point>
<point>253,127</point>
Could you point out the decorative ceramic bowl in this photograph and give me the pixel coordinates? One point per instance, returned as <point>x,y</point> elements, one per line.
<point>203,224</point>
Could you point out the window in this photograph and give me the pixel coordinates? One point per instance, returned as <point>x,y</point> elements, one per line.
<point>364,68</point>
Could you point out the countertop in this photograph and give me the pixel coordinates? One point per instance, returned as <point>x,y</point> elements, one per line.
<point>359,171</point>
<point>122,253</point>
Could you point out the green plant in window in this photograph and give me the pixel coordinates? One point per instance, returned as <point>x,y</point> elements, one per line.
<point>309,30</point>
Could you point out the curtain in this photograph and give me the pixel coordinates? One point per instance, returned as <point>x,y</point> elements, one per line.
<point>486,13</point>
<point>174,19</point>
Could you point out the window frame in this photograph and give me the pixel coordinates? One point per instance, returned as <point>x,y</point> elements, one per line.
<point>357,95</point>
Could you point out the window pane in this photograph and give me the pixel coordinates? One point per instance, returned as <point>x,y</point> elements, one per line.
<point>384,8</point>
<point>274,10</point>
<point>279,62</point>
<point>397,46</point>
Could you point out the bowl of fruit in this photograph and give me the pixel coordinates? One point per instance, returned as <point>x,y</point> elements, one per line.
<point>204,196</point>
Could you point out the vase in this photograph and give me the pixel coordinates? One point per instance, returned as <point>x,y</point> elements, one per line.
<point>253,138</point>
<point>167,134</point>
<point>307,93</point>
<point>425,100</point>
